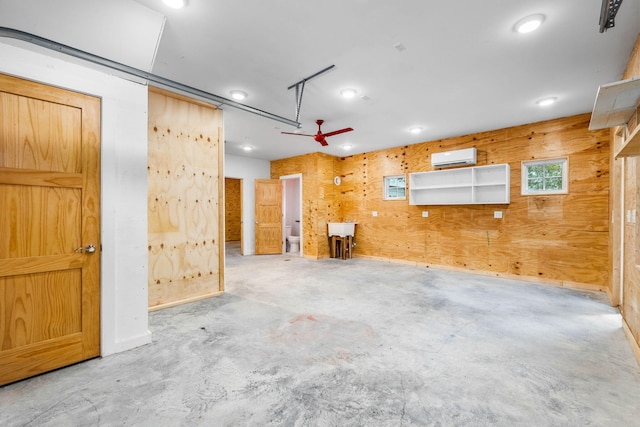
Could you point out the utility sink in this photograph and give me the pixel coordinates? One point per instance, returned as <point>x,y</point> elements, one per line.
<point>342,229</point>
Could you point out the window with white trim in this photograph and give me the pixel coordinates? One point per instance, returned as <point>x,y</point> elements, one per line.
<point>545,176</point>
<point>395,187</point>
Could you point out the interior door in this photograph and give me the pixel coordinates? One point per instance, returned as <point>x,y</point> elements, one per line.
<point>49,228</point>
<point>268,197</point>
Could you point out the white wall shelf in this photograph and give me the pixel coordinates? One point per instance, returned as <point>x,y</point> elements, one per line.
<point>462,186</point>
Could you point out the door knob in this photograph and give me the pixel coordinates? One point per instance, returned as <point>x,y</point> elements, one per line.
<point>257,222</point>
<point>89,249</point>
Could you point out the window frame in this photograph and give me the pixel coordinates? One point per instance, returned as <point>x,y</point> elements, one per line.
<point>563,161</point>
<point>386,185</point>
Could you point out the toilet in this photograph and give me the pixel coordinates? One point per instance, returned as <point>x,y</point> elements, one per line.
<point>293,242</point>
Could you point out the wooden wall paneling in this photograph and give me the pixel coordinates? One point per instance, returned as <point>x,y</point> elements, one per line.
<point>627,199</point>
<point>631,273</point>
<point>328,208</point>
<point>233,214</point>
<point>540,238</point>
<point>220,202</point>
<point>616,218</point>
<point>310,207</point>
<point>633,65</point>
<point>185,196</point>
<point>321,198</point>
<point>304,165</point>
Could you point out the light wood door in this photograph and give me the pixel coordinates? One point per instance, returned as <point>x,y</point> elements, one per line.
<point>268,197</point>
<point>49,212</point>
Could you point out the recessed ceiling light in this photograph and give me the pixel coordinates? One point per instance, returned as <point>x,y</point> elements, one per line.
<point>415,130</point>
<point>238,95</point>
<point>247,148</point>
<point>348,93</point>
<point>176,4</point>
<point>544,102</point>
<point>529,23</point>
<point>347,147</point>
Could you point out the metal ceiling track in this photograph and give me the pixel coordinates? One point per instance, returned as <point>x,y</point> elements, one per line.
<point>300,89</point>
<point>104,62</point>
<point>608,14</point>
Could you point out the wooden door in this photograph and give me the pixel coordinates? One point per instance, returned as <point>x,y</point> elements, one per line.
<point>49,212</point>
<point>268,216</point>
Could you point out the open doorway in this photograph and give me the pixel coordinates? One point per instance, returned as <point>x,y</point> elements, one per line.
<point>292,226</point>
<point>233,216</point>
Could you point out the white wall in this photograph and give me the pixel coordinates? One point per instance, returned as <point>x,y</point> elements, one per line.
<point>248,170</point>
<point>124,316</point>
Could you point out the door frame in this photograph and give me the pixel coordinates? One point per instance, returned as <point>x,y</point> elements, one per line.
<point>284,207</point>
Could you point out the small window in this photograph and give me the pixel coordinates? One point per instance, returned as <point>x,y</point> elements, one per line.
<point>395,187</point>
<point>545,177</point>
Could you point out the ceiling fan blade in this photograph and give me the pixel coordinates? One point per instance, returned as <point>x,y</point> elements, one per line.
<point>299,134</point>
<point>323,142</point>
<point>336,132</point>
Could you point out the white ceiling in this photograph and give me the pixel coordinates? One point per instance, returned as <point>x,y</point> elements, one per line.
<point>464,69</point>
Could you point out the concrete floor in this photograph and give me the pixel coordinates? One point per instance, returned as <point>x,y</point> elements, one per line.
<point>295,342</point>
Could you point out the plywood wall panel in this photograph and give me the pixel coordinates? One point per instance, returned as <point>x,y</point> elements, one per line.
<point>307,166</point>
<point>184,200</point>
<point>631,272</point>
<point>557,239</point>
<point>626,199</point>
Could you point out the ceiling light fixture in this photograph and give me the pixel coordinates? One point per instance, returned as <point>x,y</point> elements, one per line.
<point>544,102</point>
<point>175,4</point>
<point>347,147</point>
<point>415,130</point>
<point>529,23</point>
<point>348,93</point>
<point>238,95</point>
<point>247,148</point>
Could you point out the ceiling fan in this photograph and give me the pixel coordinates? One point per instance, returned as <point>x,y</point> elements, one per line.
<point>321,137</point>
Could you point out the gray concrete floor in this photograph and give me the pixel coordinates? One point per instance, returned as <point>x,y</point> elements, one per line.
<point>295,342</point>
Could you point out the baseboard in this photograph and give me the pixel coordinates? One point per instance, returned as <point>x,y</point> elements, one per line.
<point>632,340</point>
<point>184,301</point>
<point>543,281</point>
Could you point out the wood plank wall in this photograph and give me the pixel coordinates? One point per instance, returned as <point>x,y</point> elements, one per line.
<point>625,178</point>
<point>558,239</point>
<point>185,195</point>
<point>232,209</point>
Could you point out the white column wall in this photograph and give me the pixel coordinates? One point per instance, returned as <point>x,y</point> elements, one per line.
<point>248,170</point>
<point>124,294</point>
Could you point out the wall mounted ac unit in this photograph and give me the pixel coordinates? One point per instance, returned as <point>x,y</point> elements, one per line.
<point>448,159</point>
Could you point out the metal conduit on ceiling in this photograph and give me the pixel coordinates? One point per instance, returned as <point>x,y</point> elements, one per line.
<point>98,60</point>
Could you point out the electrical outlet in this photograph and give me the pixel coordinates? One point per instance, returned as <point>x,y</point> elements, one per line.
<point>425,214</point>
<point>374,213</point>
<point>497,214</point>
